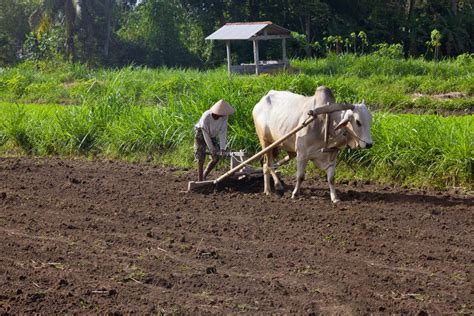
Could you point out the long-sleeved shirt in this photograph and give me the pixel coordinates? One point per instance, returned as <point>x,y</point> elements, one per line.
<point>213,128</point>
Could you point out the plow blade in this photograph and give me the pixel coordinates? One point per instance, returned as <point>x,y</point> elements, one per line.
<point>196,185</point>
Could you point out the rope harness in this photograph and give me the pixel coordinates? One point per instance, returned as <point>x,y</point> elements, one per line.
<point>327,149</point>
<point>345,133</point>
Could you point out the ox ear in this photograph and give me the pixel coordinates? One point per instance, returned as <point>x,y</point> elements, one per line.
<point>346,119</point>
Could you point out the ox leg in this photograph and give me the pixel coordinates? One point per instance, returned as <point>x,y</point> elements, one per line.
<point>300,170</point>
<point>285,160</point>
<point>267,158</point>
<point>270,156</point>
<point>331,171</point>
<point>278,185</point>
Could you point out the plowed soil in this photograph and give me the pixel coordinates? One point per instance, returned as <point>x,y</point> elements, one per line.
<point>110,237</point>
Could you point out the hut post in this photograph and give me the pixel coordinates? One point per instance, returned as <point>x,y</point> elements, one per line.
<point>227,44</point>
<point>255,55</point>
<point>283,47</point>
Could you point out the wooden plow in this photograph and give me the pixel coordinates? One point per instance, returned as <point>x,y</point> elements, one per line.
<point>242,169</point>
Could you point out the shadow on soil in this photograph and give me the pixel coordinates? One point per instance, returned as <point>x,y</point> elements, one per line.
<point>255,185</point>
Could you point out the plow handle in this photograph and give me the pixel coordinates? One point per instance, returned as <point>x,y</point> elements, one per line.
<point>266,149</point>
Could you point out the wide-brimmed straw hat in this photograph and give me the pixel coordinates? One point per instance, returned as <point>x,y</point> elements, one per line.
<point>222,108</point>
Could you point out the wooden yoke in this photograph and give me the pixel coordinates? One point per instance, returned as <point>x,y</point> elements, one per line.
<point>326,109</point>
<point>333,107</point>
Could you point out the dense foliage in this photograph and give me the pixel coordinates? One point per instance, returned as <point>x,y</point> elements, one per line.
<point>172,32</point>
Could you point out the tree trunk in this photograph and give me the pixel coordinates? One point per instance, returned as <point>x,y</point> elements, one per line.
<point>109,6</point>
<point>449,46</point>
<point>219,11</point>
<point>307,27</point>
<point>86,25</point>
<point>285,9</point>
<point>454,6</point>
<point>411,28</point>
<point>410,5</point>
<point>254,10</point>
<point>70,13</point>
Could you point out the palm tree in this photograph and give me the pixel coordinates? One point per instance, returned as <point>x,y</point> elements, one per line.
<point>66,11</point>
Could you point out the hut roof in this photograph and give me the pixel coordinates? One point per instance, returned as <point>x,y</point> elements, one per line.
<point>249,31</point>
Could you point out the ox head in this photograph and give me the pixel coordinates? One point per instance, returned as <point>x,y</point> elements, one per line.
<point>358,123</point>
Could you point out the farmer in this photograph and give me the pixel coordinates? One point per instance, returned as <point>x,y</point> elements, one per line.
<point>212,124</point>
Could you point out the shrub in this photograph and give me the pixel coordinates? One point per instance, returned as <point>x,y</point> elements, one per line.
<point>394,51</point>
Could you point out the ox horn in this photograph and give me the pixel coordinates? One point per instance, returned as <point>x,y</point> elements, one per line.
<point>331,107</point>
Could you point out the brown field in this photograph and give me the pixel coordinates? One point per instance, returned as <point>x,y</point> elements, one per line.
<point>110,237</point>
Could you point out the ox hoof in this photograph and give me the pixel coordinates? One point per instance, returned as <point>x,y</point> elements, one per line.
<point>336,201</point>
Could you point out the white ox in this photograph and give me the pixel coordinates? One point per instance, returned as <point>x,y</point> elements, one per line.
<point>278,112</point>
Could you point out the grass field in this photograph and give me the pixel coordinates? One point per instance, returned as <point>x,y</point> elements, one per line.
<point>384,83</point>
<point>147,114</point>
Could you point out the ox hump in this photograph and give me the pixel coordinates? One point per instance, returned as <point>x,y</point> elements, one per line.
<point>324,95</point>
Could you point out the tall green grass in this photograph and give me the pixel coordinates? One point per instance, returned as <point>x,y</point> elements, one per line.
<point>417,150</point>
